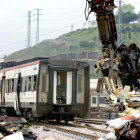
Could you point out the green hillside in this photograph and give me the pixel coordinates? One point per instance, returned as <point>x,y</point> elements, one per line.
<point>82,40</point>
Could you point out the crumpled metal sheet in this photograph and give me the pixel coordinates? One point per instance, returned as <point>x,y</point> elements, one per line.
<point>14,120</point>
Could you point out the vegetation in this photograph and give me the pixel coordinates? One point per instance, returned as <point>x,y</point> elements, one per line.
<point>82,40</point>
<point>128,14</point>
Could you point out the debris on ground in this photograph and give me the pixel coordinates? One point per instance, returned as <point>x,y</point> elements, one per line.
<point>10,128</point>
<point>28,135</point>
<point>46,129</point>
<point>14,120</point>
<point>126,127</point>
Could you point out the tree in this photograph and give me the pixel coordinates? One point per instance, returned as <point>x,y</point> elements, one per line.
<point>83,44</point>
<point>129,35</point>
<point>86,44</point>
<point>91,45</point>
<point>128,8</point>
<point>73,47</point>
<point>129,17</point>
<point>128,14</point>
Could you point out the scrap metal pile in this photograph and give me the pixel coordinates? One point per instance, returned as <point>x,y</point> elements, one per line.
<point>120,69</point>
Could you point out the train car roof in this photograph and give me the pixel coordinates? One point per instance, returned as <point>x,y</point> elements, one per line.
<point>20,66</point>
<point>26,63</point>
<point>6,66</point>
<point>69,63</point>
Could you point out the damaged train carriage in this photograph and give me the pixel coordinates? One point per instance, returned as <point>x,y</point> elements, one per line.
<point>53,89</point>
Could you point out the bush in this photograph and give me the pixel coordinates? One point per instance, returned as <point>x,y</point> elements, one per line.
<point>91,45</point>
<point>84,44</point>
<point>123,30</point>
<point>73,47</point>
<point>127,29</point>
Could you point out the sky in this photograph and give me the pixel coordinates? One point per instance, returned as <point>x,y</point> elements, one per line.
<point>56,19</point>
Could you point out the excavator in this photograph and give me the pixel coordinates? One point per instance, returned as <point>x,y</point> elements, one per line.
<point>119,66</point>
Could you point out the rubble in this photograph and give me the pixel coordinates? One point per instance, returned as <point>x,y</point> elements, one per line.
<point>10,128</point>
<point>120,70</point>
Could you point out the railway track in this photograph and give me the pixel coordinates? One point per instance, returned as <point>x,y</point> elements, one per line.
<point>91,121</point>
<point>81,126</point>
<point>91,128</point>
<point>70,132</point>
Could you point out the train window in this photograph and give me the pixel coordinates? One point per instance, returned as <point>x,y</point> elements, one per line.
<point>102,100</point>
<point>20,85</point>
<point>94,100</point>
<point>8,85</point>
<point>12,85</point>
<point>44,82</point>
<point>34,82</point>
<point>28,87</point>
<point>23,84</point>
<point>80,83</point>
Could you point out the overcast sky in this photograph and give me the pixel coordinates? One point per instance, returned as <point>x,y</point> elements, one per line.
<point>56,19</point>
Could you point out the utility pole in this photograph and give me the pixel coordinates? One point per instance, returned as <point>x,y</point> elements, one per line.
<point>37,26</point>
<point>28,40</point>
<point>120,23</point>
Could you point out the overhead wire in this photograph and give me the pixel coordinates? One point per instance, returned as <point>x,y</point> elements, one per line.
<point>13,29</point>
<point>41,35</point>
<point>11,22</point>
<point>61,28</point>
<point>11,25</point>
<point>46,28</point>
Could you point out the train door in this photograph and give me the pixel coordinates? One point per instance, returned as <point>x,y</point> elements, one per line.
<point>17,93</point>
<point>3,91</point>
<point>62,90</point>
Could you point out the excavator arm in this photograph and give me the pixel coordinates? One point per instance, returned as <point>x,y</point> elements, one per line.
<point>120,65</point>
<point>108,36</point>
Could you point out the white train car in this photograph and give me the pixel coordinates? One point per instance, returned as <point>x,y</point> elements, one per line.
<point>53,89</point>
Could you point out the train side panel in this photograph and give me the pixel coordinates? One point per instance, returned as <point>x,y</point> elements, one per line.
<point>20,88</point>
<point>43,89</point>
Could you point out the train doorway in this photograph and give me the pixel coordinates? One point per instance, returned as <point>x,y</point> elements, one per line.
<point>17,94</point>
<point>61,87</point>
<point>62,92</point>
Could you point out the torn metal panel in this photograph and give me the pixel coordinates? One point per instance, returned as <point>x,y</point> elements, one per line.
<point>14,120</point>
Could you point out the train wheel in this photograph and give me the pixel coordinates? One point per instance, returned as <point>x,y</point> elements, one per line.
<point>58,121</point>
<point>66,121</point>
